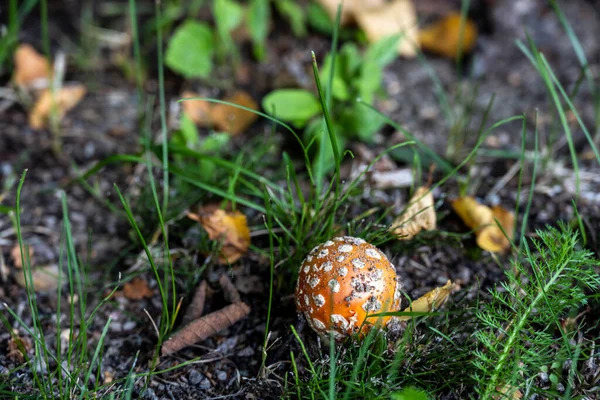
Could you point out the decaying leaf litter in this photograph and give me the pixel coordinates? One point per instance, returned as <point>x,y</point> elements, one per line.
<point>415,262</point>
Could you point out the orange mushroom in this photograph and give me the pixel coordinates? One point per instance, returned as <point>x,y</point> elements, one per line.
<point>341,282</point>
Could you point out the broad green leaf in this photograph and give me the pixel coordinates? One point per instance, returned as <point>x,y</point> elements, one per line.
<point>258,16</point>
<point>383,52</point>
<point>190,50</point>
<point>228,16</point>
<point>350,60</point>
<point>319,19</point>
<point>369,81</point>
<point>189,132</point>
<point>293,105</point>
<point>295,15</point>
<point>361,121</point>
<point>323,161</point>
<point>339,87</point>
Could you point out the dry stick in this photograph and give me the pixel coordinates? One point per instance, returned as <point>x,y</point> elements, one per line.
<point>194,310</point>
<point>229,291</point>
<point>203,328</point>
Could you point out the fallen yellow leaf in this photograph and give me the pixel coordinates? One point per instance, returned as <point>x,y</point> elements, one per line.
<point>44,278</point>
<point>397,17</point>
<point>231,228</point>
<point>483,219</point>
<point>430,301</point>
<point>62,101</point>
<point>419,215</point>
<point>30,66</point>
<point>231,119</point>
<point>137,289</point>
<point>444,36</point>
<point>15,254</point>
<point>199,111</point>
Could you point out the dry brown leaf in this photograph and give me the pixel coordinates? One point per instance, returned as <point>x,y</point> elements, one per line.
<point>44,278</point>
<point>232,119</point>
<point>483,219</point>
<point>137,289</point>
<point>17,349</point>
<point>430,301</point>
<point>444,36</point>
<point>397,17</point>
<point>231,228</point>
<point>15,254</point>
<point>420,215</point>
<point>65,99</point>
<point>30,66</point>
<point>205,327</point>
<point>196,307</point>
<point>229,290</point>
<point>199,111</point>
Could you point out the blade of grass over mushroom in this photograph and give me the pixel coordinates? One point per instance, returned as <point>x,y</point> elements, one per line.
<point>270,118</point>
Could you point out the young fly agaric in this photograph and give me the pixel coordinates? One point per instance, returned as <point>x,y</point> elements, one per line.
<point>341,282</point>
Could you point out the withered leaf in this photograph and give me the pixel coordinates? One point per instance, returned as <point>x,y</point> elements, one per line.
<point>396,17</point>
<point>44,278</point>
<point>199,111</point>
<point>483,219</point>
<point>137,289</point>
<point>62,101</point>
<point>420,215</point>
<point>231,228</point>
<point>444,36</point>
<point>30,66</point>
<point>232,119</point>
<point>430,301</point>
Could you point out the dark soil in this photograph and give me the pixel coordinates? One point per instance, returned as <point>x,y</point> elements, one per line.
<point>105,124</point>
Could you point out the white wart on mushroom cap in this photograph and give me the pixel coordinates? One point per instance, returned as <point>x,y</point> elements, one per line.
<point>341,282</point>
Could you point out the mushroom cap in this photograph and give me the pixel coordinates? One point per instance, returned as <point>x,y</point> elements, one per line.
<point>341,282</point>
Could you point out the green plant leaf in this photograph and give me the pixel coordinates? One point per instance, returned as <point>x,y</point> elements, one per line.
<point>316,132</point>
<point>383,52</point>
<point>228,16</point>
<point>295,15</point>
<point>369,81</point>
<point>188,131</point>
<point>361,121</point>
<point>214,143</point>
<point>318,18</point>
<point>350,60</point>
<point>293,105</point>
<point>190,50</point>
<point>257,18</point>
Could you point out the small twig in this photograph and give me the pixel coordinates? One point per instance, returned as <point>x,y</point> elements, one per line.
<point>229,291</point>
<point>194,310</point>
<point>203,328</point>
